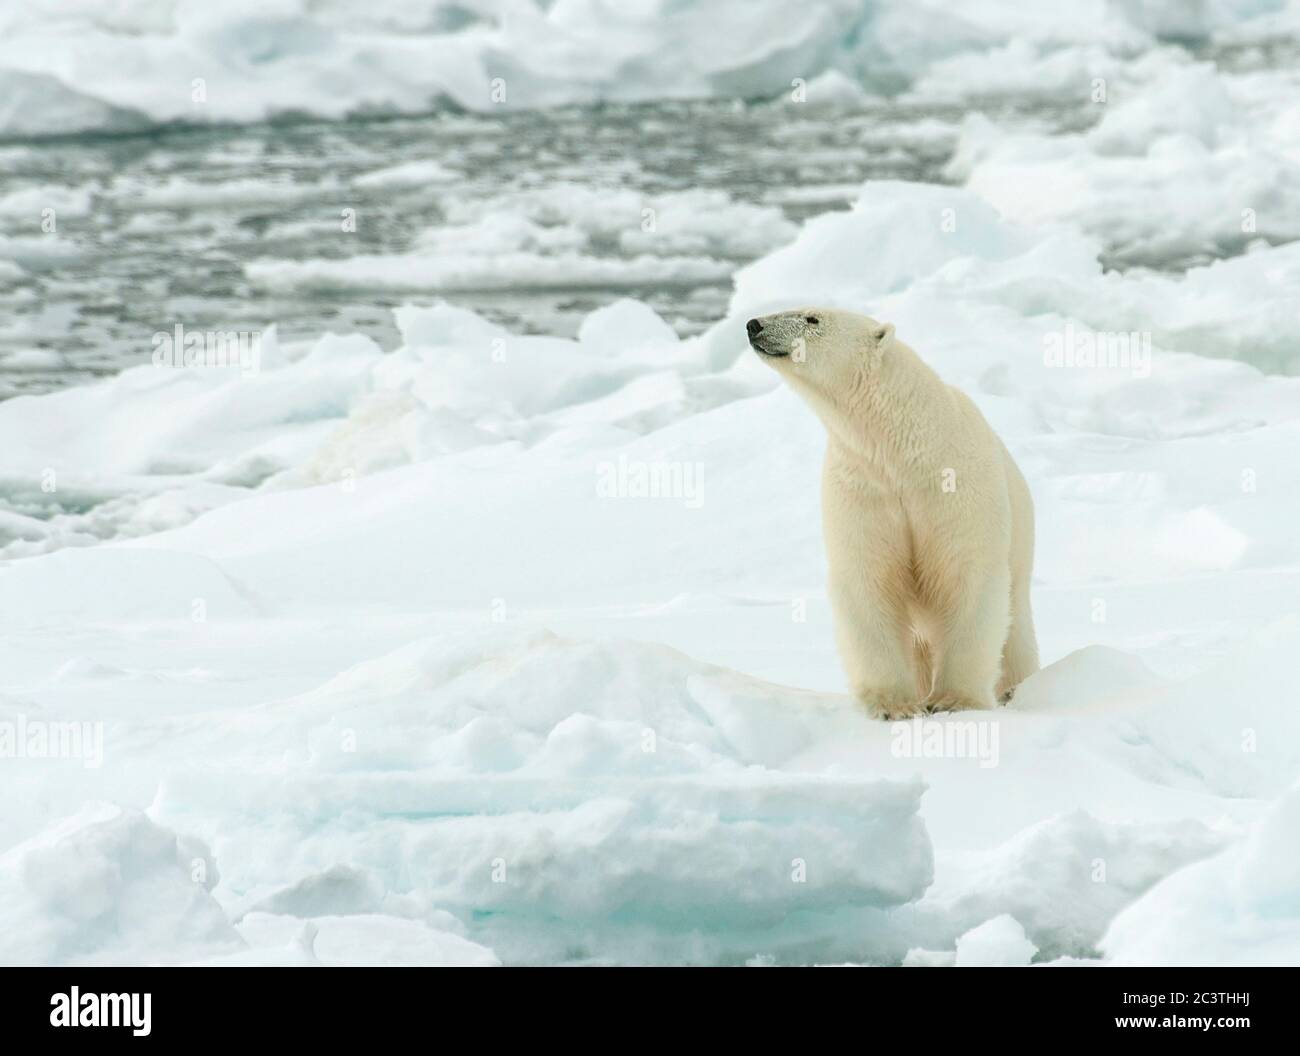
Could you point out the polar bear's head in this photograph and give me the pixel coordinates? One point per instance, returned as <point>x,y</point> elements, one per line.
<point>820,351</point>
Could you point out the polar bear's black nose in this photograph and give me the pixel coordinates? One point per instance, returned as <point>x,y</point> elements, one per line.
<point>753,328</point>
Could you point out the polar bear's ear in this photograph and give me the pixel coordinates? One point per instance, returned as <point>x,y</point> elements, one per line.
<point>883,333</point>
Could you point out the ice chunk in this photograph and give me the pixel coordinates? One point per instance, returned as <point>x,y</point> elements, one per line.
<point>1239,908</point>
<point>997,943</point>
<point>108,886</point>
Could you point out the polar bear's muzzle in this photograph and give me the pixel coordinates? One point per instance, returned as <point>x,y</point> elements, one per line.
<point>754,328</point>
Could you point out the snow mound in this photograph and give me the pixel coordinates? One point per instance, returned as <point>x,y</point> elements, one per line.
<point>1064,879</point>
<point>108,886</point>
<point>1239,908</point>
<point>654,818</point>
<point>130,585</point>
<point>41,104</point>
<point>1184,125</point>
<point>997,943</point>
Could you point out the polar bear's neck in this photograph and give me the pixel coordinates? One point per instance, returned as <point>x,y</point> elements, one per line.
<point>893,414</point>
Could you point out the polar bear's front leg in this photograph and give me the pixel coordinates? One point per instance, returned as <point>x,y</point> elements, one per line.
<point>970,647</point>
<point>872,644</point>
<point>869,554</point>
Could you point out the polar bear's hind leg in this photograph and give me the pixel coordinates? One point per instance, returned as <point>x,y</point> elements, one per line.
<point>1020,653</point>
<point>1020,650</point>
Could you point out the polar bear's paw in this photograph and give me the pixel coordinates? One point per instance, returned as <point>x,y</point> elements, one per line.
<point>954,702</point>
<point>889,705</point>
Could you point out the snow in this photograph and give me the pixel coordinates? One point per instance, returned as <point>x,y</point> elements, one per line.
<point>1177,166</point>
<point>108,886</point>
<point>998,943</point>
<point>498,648</point>
<point>1238,908</point>
<point>75,65</point>
<point>359,939</point>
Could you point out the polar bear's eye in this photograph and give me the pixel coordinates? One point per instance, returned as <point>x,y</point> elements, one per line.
<point>811,320</point>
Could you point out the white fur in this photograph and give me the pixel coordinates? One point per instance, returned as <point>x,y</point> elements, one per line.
<point>929,525</point>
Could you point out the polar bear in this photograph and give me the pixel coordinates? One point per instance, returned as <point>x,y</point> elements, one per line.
<point>929,525</point>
